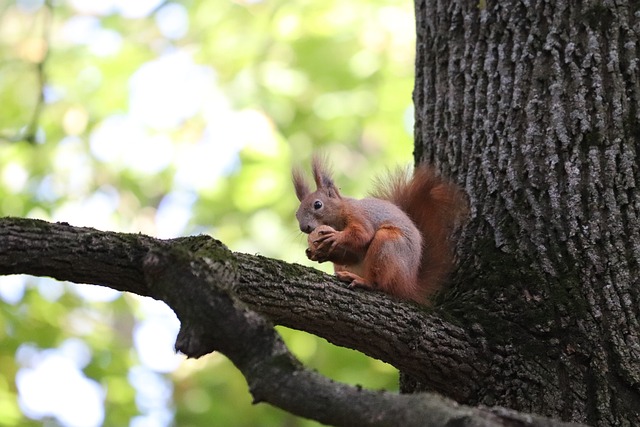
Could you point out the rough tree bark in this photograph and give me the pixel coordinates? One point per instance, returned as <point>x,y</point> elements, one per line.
<point>534,106</point>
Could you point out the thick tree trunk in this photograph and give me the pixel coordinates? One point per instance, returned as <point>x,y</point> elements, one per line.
<point>534,107</point>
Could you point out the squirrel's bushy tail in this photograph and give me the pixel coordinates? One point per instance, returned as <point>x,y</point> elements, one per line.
<point>437,207</point>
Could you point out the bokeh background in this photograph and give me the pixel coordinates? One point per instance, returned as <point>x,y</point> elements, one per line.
<point>172,118</point>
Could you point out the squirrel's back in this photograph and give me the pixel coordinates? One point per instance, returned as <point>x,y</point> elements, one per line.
<point>436,206</point>
<point>380,211</point>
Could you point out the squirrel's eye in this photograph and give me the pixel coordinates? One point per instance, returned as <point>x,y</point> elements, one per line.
<point>317,204</point>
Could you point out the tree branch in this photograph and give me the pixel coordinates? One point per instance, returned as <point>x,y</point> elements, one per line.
<point>414,339</point>
<point>438,353</point>
<point>199,279</point>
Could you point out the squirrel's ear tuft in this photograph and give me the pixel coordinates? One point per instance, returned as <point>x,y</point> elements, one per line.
<point>300,184</point>
<point>322,176</point>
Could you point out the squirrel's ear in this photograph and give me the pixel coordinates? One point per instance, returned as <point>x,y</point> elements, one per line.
<point>299,183</point>
<point>322,176</point>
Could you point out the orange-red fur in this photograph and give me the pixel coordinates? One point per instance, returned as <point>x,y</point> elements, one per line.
<point>380,268</point>
<point>437,207</point>
<point>397,241</point>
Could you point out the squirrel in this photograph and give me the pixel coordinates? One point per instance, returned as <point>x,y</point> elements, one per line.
<point>396,241</point>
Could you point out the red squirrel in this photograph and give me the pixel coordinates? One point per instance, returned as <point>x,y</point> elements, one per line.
<point>396,241</point>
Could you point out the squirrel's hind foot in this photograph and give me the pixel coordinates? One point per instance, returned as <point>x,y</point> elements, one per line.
<point>353,279</point>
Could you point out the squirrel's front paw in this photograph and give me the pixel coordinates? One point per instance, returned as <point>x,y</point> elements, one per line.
<point>320,243</point>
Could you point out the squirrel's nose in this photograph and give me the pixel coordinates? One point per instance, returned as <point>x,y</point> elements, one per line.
<point>306,229</point>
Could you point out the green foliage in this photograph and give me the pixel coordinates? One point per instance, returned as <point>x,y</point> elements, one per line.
<point>184,131</point>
